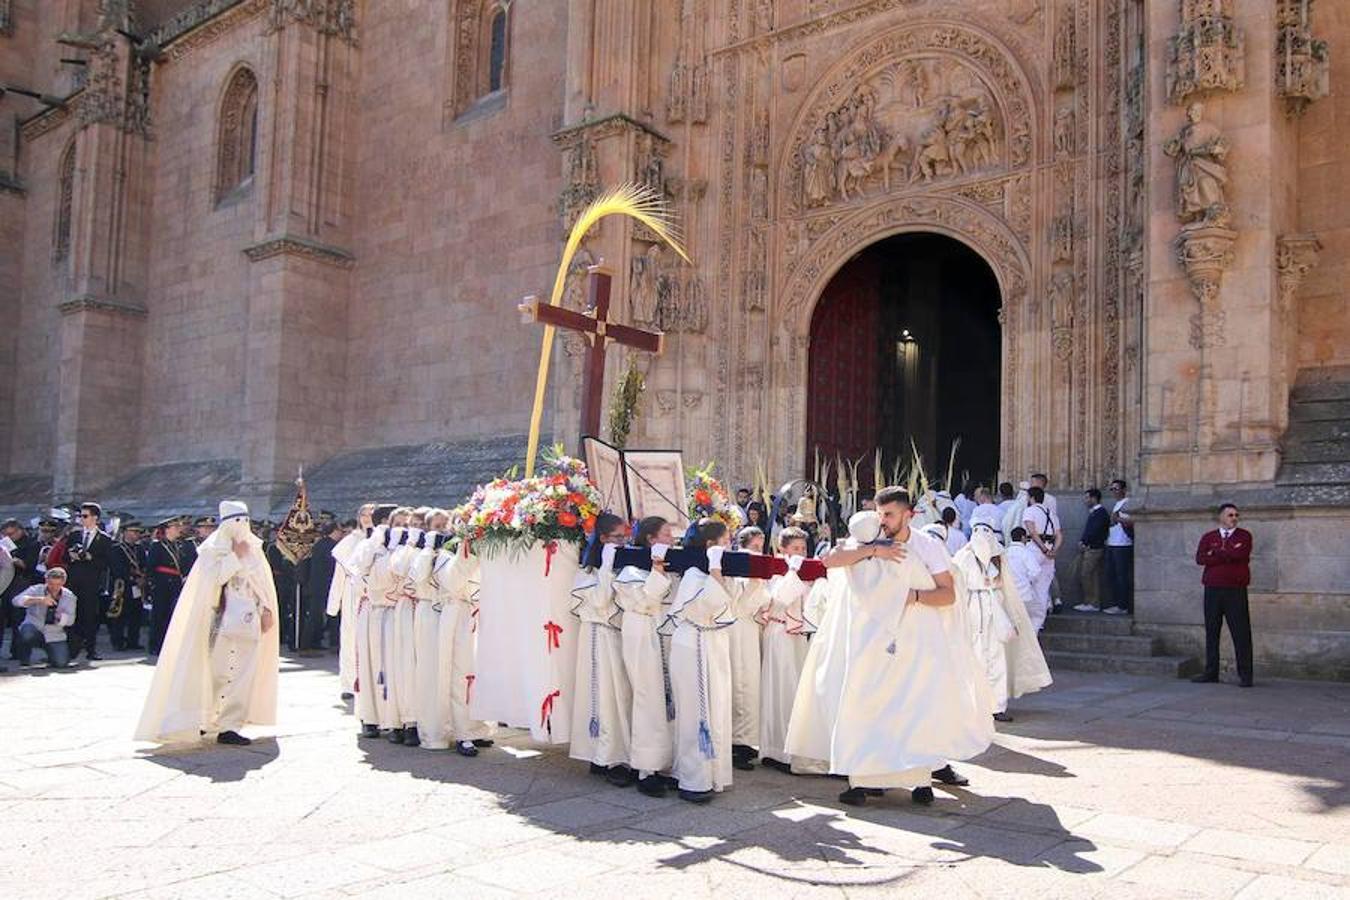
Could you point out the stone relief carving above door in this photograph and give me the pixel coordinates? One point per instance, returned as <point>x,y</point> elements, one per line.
<point>916,108</point>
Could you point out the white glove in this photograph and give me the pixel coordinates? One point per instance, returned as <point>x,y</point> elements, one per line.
<point>396,535</point>
<point>659,551</point>
<point>794,563</point>
<point>715,558</point>
<point>607,553</point>
<point>413,535</point>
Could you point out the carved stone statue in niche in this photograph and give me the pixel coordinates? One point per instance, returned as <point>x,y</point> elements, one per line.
<point>1064,49</point>
<point>1064,128</point>
<point>763,16</point>
<point>1061,298</point>
<point>759,193</point>
<point>1202,178</point>
<point>644,287</point>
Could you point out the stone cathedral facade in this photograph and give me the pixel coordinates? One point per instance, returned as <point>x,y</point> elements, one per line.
<point>242,236</point>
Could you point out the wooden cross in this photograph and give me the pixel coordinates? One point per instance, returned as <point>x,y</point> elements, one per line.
<point>595,324</point>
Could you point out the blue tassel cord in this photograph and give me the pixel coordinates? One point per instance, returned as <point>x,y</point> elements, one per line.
<point>595,681</point>
<point>705,741</point>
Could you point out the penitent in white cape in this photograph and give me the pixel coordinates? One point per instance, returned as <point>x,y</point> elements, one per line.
<point>178,707</point>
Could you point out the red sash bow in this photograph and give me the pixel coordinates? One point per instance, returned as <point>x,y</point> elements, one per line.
<point>468,686</point>
<point>551,632</point>
<point>549,549</point>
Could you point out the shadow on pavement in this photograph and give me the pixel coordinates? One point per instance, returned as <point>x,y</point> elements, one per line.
<point>215,762</point>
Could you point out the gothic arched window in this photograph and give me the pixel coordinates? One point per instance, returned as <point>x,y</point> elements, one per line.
<point>65,198</point>
<point>237,144</point>
<point>496,59</point>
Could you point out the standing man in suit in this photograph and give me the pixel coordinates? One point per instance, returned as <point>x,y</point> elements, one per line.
<point>315,574</point>
<point>1091,549</point>
<point>1226,554</point>
<point>89,555</point>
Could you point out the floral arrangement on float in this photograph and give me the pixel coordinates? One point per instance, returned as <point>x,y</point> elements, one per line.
<point>558,505</point>
<point>708,499</point>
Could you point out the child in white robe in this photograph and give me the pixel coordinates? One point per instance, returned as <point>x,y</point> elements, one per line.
<point>368,681</point>
<point>601,715</point>
<point>644,596</point>
<point>403,662</point>
<point>425,626</point>
<point>342,600</point>
<point>750,594</point>
<point>700,671</point>
<point>784,650</point>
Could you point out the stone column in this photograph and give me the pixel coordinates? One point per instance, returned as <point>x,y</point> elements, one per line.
<point>101,334</point>
<point>299,282</point>
<point>1214,397</point>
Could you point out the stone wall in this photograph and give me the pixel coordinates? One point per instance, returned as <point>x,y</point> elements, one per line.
<point>457,223</point>
<point>1300,592</point>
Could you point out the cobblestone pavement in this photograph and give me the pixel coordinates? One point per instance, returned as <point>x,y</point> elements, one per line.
<point>1104,786</point>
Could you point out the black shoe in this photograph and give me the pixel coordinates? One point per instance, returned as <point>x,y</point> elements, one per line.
<point>598,770</point>
<point>370,731</point>
<point>232,737</point>
<point>396,735</point>
<point>742,763</point>
<point>483,742</point>
<point>1204,678</point>
<point>620,776</point>
<point>669,781</point>
<point>744,750</point>
<point>922,796</point>
<point>348,695</point>
<point>410,737</point>
<point>947,775</point>
<point>652,786</point>
<point>769,762</point>
<point>853,797</point>
<point>1003,717</point>
<point>91,656</point>
<point>1246,682</point>
<point>135,646</point>
<point>696,796</point>
<point>466,748</point>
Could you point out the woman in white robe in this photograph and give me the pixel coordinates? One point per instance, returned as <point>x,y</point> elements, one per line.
<point>601,715</point>
<point>217,669</point>
<point>749,595</point>
<point>644,596</point>
<point>700,672</point>
<point>365,674</point>
<point>891,689</point>
<point>403,664</point>
<point>342,601</point>
<point>425,628</point>
<point>1001,631</point>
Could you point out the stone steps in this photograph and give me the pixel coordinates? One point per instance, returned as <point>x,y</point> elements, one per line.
<point>1088,623</point>
<point>1314,472</point>
<point>1315,392</point>
<point>1319,410</point>
<point>1092,642</point>
<point>1304,451</point>
<point>1110,644</point>
<point>1156,666</point>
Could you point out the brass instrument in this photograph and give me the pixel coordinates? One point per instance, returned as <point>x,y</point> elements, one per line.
<point>119,591</point>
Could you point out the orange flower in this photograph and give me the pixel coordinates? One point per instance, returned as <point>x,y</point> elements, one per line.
<point>702,497</point>
<point>589,524</point>
<point>567,519</point>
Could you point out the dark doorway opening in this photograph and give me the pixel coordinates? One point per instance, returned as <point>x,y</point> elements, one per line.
<point>906,345</point>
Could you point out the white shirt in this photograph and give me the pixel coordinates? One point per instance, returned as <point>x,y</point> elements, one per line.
<point>1225,533</point>
<point>1051,504</point>
<point>1118,536</point>
<point>1038,520</point>
<point>956,539</point>
<point>929,551</point>
<point>88,538</point>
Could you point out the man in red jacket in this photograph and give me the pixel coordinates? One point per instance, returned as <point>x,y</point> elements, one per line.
<point>1226,553</point>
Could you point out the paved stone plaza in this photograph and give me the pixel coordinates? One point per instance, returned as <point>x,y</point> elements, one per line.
<point>1104,786</point>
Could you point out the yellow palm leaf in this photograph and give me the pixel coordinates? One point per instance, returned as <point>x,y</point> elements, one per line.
<point>636,200</point>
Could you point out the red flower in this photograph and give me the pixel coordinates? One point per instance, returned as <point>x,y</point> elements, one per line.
<point>702,497</point>
<point>567,519</point>
<point>589,524</point>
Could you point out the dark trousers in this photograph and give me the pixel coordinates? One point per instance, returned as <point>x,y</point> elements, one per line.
<point>1120,575</point>
<point>30,639</point>
<point>312,621</point>
<point>1228,604</point>
<point>125,630</point>
<point>83,635</point>
<point>161,611</point>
